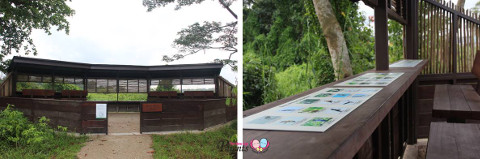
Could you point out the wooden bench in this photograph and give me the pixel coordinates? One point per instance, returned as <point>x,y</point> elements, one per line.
<point>199,94</point>
<point>163,94</point>
<point>37,93</point>
<point>456,103</point>
<point>74,94</point>
<point>453,140</point>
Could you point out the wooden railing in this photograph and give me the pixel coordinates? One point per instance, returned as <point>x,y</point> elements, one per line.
<point>447,37</point>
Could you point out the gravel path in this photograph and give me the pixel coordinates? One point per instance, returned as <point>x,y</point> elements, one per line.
<point>123,123</point>
<point>117,146</point>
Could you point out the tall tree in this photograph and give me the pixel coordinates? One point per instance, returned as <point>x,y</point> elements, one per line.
<point>335,39</point>
<point>460,4</point>
<point>19,17</point>
<point>200,37</point>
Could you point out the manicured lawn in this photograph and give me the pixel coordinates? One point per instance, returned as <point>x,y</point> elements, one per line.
<point>113,96</point>
<point>191,145</point>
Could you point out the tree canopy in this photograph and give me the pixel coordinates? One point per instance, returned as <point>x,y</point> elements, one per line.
<point>285,51</point>
<point>19,17</point>
<point>202,36</point>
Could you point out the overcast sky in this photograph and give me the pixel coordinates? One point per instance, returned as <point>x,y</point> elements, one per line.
<point>123,32</point>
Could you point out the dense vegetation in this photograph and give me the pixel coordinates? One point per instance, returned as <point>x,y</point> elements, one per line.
<point>57,86</point>
<point>191,145</point>
<point>20,138</point>
<point>285,52</point>
<point>113,96</point>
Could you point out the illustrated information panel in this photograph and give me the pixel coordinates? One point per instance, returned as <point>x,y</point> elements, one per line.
<point>372,79</point>
<point>315,112</point>
<point>406,63</point>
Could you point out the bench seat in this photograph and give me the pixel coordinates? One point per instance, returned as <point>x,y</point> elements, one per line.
<point>453,140</point>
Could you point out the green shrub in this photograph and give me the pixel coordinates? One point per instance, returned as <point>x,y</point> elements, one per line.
<point>20,138</point>
<point>16,130</point>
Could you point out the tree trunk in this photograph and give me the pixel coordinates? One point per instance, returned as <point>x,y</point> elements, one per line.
<point>460,4</point>
<point>335,39</point>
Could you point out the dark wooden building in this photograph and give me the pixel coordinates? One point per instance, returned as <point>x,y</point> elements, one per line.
<point>177,97</point>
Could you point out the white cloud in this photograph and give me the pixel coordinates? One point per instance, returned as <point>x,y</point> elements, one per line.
<point>123,32</point>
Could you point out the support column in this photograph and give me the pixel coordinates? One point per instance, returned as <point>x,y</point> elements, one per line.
<point>215,79</point>
<point>381,35</point>
<point>14,83</point>
<point>411,29</point>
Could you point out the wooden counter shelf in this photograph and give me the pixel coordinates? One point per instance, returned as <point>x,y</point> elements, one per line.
<point>348,136</point>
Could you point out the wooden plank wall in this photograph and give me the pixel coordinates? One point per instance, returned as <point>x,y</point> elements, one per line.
<point>89,122</point>
<point>176,115</point>
<point>187,114</point>
<point>214,112</point>
<point>231,112</point>
<point>6,86</point>
<point>60,112</point>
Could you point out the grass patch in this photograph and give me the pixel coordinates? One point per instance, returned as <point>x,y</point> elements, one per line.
<point>63,146</point>
<point>113,97</point>
<point>190,145</point>
<point>20,138</point>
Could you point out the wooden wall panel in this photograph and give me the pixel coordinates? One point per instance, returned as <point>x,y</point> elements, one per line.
<point>185,114</point>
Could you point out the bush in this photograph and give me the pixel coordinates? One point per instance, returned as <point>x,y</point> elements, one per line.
<point>16,130</point>
<point>20,138</point>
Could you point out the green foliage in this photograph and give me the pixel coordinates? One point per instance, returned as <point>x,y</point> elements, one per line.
<point>192,145</point>
<point>19,17</point>
<point>168,87</point>
<point>64,86</point>
<point>395,41</point>
<point>231,101</point>
<point>295,79</point>
<point>20,138</point>
<point>113,97</point>
<point>285,52</point>
<point>255,78</point>
<point>476,9</point>
<point>48,86</point>
<point>198,37</point>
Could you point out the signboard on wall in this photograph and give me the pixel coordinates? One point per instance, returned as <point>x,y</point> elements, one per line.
<point>152,107</point>
<point>101,111</point>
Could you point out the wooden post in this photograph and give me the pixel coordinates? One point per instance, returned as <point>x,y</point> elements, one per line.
<point>412,111</point>
<point>118,88</point>
<point>381,36</point>
<point>411,38</point>
<point>454,46</point>
<point>215,79</point>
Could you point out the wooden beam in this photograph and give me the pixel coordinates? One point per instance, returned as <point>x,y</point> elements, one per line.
<point>394,16</point>
<point>460,14</point>
<point>371,3</point>
<point>381,36</point>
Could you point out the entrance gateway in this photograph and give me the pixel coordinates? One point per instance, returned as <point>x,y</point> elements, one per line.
<point>151,98</point>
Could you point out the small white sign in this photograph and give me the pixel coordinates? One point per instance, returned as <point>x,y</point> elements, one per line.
<point>101,112</point>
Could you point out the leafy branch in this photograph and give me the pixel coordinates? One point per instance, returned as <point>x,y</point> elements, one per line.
<point>201,37</point>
